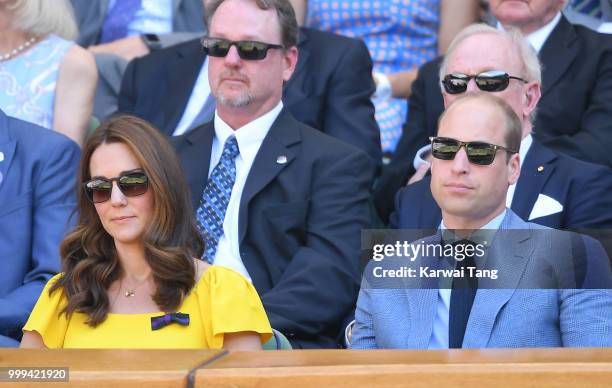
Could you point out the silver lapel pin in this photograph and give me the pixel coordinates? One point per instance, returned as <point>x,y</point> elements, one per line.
<point>281,159</point>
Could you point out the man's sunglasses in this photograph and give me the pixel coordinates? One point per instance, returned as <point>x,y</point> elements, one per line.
<point>247,49</point>
<point>131,184</point>
<point>478,152</point>
<point>488,81</point>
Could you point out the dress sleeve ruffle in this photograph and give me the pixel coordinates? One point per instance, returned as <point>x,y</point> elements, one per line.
<point>45,318</point>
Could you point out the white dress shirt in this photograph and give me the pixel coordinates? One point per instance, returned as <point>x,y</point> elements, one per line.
<point>249,138</point>
<point>199,95</point>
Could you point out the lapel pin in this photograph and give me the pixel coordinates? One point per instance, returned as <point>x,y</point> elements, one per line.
<point>281,159</point>
<point>1,156</point>
<point>541,168</point>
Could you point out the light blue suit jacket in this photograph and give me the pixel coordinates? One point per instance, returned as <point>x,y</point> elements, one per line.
<point>37,194</point>
<point>506,313</point>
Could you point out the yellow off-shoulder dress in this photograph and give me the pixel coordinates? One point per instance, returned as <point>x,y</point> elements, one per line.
<point>222,301</point>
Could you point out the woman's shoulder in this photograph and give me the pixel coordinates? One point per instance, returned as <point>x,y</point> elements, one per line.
<point>79,62</point>
<point>214,275</point>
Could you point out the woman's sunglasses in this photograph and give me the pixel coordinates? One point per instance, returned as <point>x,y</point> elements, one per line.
<point>247,49</point>
<point>488,81</point>
<point>131,184</point>
<point>478,152</point>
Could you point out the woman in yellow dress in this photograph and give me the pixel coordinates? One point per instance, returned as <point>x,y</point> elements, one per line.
<point>129,276</point>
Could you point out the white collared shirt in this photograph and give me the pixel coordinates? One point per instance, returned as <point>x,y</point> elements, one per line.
<point>537,38</point>
<point>524,148</point>
<point>249,138</point>
<point>199,95</point>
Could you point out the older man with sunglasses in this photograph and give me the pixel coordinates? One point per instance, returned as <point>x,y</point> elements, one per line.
<point>553,190</point>
<point>279,202</point>
<point>505,283</point>
<point>574,113</point>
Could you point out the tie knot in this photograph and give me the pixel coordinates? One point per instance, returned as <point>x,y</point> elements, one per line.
<point>230,150</point>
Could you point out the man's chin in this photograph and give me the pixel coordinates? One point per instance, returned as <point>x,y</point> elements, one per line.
<point>234,101</point>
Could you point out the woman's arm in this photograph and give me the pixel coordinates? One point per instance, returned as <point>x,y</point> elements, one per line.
<point>300,7</point>
<point>74,94</point>
<point>454,17</point>
<point>32,340</point>
<point>242,341</point>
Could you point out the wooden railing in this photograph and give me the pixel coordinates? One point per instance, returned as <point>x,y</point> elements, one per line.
<point>319,368</point>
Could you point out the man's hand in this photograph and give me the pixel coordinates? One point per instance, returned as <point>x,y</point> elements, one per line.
<point>127,48</point>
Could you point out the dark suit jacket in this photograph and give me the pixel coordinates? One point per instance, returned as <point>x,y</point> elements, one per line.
<point>37,172</point>
<point>90,15</point>
<point>330,89</point>
<point>582,188</point>
<point>299,224</point>
<point>574,114</point>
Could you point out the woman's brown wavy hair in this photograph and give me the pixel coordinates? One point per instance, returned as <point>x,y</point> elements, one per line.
<point>89,258</point>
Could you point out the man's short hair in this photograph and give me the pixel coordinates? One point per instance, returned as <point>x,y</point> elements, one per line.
<point>284,11</point>
<point>514,128</point>
<point>532,70</point>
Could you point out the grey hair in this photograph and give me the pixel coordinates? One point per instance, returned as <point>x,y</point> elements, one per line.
<point>532,69</point>
<point>43,17</point>
<point>531,64</point>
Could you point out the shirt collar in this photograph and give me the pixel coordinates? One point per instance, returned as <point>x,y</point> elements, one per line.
<point>525,145</point>
<point>537,38</point>
<point>249,136</point>
<point>484,235</point>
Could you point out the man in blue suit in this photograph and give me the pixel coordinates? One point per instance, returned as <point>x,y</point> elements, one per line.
<point>520,288</point>
<point>37,173</point>
<point>553,189</point>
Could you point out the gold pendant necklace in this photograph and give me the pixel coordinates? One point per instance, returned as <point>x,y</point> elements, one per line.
<point>131,292</point>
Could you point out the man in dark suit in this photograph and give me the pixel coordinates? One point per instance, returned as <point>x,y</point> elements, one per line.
<point>330,89</point>
<point>276,200</point>
<point>574,115</point>
<point>37,172</point>
<point>553,189</point>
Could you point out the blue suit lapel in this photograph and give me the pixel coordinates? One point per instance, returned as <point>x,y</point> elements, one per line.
<point>196,159</point>
<point>509,254</point>
<point>297,83</point>
<point>535,172</point>
<point>266,166</point>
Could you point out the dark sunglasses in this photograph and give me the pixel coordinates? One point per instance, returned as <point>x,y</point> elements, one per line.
<point>478,152</point>
<point>131,184</point>
<point>488,81</point>
<point>247,49</point>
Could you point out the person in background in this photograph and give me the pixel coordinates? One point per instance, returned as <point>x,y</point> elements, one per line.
<point>401,35</point>
<point>574,116</point>
<point>46,78</point>
<point>130,274</point>
<point>278,201</point>
<point>117,31</point>
<point>37,173</point>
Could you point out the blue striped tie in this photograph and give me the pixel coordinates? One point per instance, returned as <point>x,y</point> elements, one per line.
<point>211,212</point>
<point>587,7</point>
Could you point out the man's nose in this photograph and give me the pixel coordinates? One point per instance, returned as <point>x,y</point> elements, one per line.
<point>232,58</point>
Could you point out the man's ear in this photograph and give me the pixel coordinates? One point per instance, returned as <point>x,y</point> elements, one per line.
<point>290,59</point>
<point>532,95</point>
<point>514,168</point>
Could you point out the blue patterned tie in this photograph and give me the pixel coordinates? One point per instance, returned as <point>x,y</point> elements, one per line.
<point>117,20</point>
<point>216,196</point>
<point>588,7</point>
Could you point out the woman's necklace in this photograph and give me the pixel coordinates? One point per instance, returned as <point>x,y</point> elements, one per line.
<point>129,292</point>
<point>14,52</point>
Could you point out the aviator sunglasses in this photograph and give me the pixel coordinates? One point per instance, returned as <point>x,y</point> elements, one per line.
<point>131,184</point>
<point>488,81</point>
<point>247,49</point>
<point>478,152</point>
